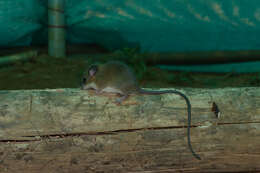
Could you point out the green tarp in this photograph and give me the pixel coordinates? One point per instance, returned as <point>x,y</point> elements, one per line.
<point>152,25</point>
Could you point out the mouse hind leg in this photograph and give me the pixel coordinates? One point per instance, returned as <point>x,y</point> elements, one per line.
<point>121,99</point>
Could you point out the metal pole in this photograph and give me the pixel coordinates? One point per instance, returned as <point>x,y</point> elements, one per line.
<point>56,28</point>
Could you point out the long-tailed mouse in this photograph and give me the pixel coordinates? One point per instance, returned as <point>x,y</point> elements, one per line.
<point>117,77</point>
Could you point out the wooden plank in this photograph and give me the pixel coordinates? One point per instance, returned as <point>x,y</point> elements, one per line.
<point>150,150</point>
<point>69,129</point>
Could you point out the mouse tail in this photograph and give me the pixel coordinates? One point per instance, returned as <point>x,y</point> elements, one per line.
<point>189,123</point>
<point>152,92</point>
<point>158,92</point>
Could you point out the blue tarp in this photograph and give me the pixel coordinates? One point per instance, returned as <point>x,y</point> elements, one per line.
<point>154,25</point>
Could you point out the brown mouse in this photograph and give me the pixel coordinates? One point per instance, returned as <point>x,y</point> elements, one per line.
<point>117,77</point>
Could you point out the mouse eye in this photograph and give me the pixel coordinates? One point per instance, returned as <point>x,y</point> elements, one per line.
<point>84,80</point>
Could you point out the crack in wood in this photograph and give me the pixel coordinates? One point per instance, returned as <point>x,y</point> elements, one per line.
<point>64,135</point>
<point>234,123</point>
<point>114,132</point>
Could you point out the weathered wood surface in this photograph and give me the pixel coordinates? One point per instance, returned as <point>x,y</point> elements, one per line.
<point>68,130</point>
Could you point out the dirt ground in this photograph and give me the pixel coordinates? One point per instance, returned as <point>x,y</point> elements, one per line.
<point>47,72</point>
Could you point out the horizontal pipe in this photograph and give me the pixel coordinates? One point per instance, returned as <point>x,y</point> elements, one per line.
<point>202,57</point>
<point>24,56</point>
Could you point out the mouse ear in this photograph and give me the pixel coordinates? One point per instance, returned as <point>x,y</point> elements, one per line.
<point>92,70</point>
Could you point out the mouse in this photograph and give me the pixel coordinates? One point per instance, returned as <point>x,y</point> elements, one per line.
<point>117,77</point>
